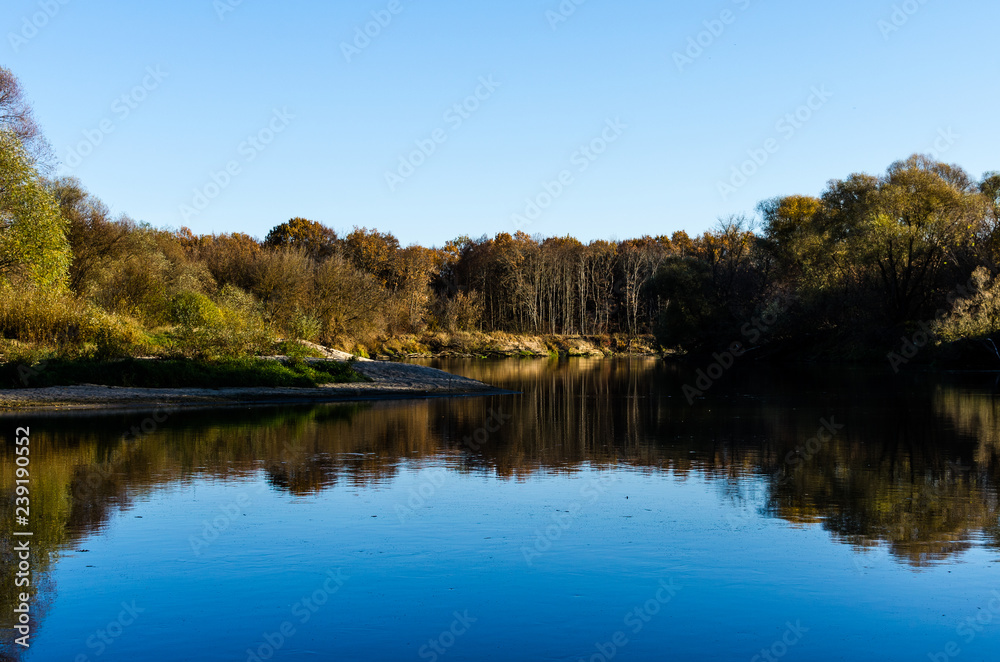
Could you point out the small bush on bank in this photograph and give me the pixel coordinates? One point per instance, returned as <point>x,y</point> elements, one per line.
<point>232,328</point>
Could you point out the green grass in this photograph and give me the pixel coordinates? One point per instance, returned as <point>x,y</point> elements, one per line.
<point>177,373</point>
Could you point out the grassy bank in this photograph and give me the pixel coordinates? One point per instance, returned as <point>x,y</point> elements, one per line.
<point>499,345</point>
<point>177,373</point>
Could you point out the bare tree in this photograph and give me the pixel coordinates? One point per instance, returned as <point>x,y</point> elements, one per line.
<point>17,117</point>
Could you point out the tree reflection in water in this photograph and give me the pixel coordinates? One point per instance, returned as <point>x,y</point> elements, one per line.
<point>914,467</point>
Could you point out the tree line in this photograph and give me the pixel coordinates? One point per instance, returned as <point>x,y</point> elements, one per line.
<point>871,258</point>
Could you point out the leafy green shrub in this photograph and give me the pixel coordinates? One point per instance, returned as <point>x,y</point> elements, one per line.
<point>296,350</point>
<point>192,310</point>
<point>233,328</point>
<point>305,327</point>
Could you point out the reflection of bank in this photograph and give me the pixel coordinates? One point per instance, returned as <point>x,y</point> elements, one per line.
<point>914,472</point>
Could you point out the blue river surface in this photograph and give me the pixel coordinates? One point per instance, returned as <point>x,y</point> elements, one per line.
<point>596,514</point>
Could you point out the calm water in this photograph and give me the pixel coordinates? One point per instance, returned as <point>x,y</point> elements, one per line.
<point>818,515</point>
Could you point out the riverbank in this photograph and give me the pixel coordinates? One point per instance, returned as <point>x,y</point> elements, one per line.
<point>508,345</point>
<point>383,381</point>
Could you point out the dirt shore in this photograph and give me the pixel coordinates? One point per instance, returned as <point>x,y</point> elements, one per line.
<point>388,381</point>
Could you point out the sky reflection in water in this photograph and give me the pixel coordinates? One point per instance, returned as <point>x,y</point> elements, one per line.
<point>597,515</point>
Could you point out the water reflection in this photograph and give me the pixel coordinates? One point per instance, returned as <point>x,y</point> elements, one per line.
<point>905,463</point>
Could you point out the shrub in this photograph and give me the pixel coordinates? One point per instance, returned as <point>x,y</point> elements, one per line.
<point>66,324</point>
<point>976,315</point>
<point>192,310</point>
<point>305,327</point>
<point>233,328</point>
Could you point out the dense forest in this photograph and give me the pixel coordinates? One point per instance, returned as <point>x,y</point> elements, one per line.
<point>876,264</point>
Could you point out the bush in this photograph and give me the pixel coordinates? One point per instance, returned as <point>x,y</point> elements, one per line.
<point>192,310</point>
<point>976,315</point>
<point>65,324</point>
<point>305,327</point>
<point>233,328</point>
<point>114,336</point>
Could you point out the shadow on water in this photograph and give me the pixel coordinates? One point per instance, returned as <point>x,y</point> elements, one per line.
<point>908,463</point>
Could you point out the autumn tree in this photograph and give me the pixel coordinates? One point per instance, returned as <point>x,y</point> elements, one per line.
<point>990,241</point>
<point>233,259</point>
<point>17,117</point>
<point>904,235</point>
<point>350,304</point>
<point>415,266</point>
<point>94,238</point>
<point>33,241</point>
<point>374,253</point>
<point>317,240</point>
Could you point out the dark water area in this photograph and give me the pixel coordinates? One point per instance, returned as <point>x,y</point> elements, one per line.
<point>598,514</point>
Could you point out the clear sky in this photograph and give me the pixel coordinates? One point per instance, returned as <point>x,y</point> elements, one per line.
<point>885,80</point>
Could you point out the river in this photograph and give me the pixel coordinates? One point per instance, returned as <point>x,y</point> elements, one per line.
<point>602,512</point>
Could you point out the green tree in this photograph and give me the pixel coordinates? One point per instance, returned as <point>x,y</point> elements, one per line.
<point>33,243</point>
<point>906,233</point>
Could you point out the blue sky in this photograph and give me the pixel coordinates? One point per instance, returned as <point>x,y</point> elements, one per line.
<point>328,125</point>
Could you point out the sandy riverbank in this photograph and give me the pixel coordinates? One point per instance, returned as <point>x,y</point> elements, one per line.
<point>388,381</point>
